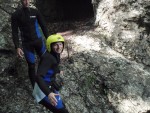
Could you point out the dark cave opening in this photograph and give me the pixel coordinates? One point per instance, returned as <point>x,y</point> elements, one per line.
<point>65,10</point>
<point>74,9</point>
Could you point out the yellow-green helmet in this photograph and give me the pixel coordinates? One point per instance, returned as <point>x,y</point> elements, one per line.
<point>52,39</point>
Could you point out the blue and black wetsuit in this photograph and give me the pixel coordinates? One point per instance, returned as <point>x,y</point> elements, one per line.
<point>48,67</point>
<point>29,21</point>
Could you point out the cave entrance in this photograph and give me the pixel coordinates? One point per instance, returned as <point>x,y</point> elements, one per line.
<point>74,9</point>
<point>65,10</point>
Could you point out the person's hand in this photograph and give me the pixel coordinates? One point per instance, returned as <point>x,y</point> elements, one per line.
<point>52,98</point>
<point>61,73</point>
<point>20,52</point>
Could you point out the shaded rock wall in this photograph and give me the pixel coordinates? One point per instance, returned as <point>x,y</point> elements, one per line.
<point>125,25</point>
<point>105,79</point>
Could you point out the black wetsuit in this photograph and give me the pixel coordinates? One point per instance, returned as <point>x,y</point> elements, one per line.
<point>48,67</point>
<point>28,20</point>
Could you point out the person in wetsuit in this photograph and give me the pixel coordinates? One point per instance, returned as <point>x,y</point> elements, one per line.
<point>46,92</point>
<point>29,21</point>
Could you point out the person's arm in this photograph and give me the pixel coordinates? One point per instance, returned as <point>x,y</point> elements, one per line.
<point>47,61</point>
<point>15,28</point>
<point>42,24</point>
<point>15,37</point>
<point>44,65</point>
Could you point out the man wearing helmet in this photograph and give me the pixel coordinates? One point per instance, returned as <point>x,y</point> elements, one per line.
<point>46,90</point>
<point>27,20</point>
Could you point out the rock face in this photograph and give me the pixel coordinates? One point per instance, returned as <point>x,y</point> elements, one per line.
<point>125,25</point>
<point>106,68</point>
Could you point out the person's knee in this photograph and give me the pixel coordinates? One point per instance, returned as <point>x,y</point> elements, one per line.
<point>52,108</point>
<point>63,110</point>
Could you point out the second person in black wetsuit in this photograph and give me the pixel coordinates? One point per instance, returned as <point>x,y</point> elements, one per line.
<point>46,92</point>
<point>29,21</point>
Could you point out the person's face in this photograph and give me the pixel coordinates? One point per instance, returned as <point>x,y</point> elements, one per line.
<point>25,3</point>
<point>57,47</point>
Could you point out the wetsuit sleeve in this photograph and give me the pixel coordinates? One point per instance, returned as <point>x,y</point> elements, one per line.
<point>44,66</point>
<point>42,24</point>
<point>15,28</point>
